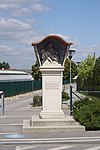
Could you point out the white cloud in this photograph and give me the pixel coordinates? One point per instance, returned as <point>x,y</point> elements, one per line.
<point>13,24</point>
<point>17,33</point>
<point>14,9</point>
<point>83,51</point>
<point>17,58</point>
<point>16,38</point>
<point>15,30</point>
<point>3,7</point>
<point>37,7</point>
<point>19,1</point>
<point>6,51</point>
<point>22,7</point>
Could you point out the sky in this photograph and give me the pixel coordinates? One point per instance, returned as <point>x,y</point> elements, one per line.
<point>25,21</point>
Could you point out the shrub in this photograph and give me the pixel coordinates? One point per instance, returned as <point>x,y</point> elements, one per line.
<point>87,112</point>
<point>65,96</point>
<point>37,100</point>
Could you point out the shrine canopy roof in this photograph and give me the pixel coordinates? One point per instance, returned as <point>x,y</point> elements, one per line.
<point>58,37</point>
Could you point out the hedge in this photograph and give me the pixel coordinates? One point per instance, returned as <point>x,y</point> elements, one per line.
<point>87,112</point>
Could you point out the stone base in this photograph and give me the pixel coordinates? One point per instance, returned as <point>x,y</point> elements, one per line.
<point>37,125</point>
<point>52,115</point>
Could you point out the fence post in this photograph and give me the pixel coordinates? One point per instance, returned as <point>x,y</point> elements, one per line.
<point>2,103</point>
<point>71,110</point>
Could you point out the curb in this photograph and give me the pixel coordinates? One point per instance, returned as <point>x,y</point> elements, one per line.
<point>75,140</point>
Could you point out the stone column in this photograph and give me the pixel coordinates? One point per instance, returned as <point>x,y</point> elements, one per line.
<point>52,92</point>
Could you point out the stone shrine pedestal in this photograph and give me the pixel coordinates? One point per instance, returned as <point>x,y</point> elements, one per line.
<point>51,53</point>
<point>52,92</point>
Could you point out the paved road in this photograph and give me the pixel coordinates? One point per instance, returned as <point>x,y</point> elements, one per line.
<point>18,110</point>
<point>53,147</point>
<point>15,112</point>
<point>11,125</point>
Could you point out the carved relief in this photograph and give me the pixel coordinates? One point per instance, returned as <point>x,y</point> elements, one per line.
<point>51,51</point>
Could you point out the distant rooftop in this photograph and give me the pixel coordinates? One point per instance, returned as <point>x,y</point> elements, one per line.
<point>14,75</point>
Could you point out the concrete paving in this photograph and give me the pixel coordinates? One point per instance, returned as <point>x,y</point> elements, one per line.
<point>52,139</point>
<point>19,109</point>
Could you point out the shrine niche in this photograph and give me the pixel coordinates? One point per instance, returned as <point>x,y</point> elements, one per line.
<point>51,50</point>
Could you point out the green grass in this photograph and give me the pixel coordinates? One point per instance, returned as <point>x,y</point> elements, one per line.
<point>91,94</point>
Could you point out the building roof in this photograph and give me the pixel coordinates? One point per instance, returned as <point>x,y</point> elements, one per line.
<point>14,75</point>
<point>12,72</point>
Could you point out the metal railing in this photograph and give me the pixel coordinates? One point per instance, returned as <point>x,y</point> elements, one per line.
<point>71,105</point>
<point>77,96</point>
<point>2,102</point>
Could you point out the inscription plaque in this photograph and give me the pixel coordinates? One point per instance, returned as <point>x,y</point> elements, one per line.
<point>51,86</point>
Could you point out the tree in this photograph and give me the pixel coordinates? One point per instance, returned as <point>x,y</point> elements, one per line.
<point>86,67</point>
<point>4,65</point>
<point>85,71</point>
<point>36,73</point>
<point>7,65</point>
<point>96,74</point>
<point>74,70</point>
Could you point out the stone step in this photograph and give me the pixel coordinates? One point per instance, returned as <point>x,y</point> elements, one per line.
<point>36,121</point>
<point>27,128</point>
<point>11,128</point>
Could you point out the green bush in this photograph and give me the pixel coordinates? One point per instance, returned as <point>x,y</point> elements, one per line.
<point>87,112</point>
<point>65,96</point>
<point>37,100</point>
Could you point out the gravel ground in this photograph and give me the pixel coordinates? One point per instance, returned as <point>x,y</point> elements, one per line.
<point>22,96</point>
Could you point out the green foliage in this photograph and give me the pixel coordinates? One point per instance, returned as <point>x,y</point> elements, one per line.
<point>74,69</point>
<point>85,68</point>
<point>65,96</point>
<point>36,73</point>
<point>96,72</point>
<point>4,65</point>
<point>37,100</point>
<point>87,112</point>
<point>89,74</point>
<point>91,94</point>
